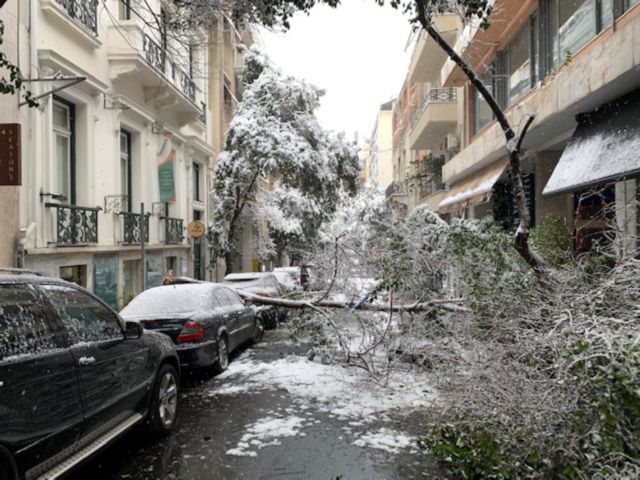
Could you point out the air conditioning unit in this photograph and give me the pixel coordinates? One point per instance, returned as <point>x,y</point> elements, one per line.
<point>451,142</point>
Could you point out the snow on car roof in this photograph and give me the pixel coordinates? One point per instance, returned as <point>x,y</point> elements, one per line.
<point>179,299</point>
<point>234,277</point>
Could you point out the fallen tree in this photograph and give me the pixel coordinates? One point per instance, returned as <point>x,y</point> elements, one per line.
<point>452,305</point>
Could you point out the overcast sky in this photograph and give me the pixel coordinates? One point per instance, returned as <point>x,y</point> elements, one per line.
<point>357,53</point>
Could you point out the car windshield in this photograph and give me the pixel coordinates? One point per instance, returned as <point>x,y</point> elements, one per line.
<point>284,278</point>
<point>171,300</point>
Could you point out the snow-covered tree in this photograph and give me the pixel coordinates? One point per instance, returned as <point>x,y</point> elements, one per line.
<point>276,138</point>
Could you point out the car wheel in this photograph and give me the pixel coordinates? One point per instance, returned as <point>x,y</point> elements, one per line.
<point>163,415</point>
<point>258,329</point>
<point>222,362</point>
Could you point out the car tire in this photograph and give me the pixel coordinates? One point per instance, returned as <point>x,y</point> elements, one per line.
<point>163,414</point>
<point>258,330</point>
<point>222,361</point>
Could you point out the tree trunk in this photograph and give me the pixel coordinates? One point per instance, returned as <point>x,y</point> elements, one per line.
<point>228,263</point>
<point>513,143</point>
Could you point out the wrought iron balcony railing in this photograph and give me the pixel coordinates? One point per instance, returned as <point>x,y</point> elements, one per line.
<point>173,228</point>
<point>154,53</point>
<point>75,225</point>
<point>433,95</point>
<point>157,57</point>
<point>85,11</point>
<point>131,228</point>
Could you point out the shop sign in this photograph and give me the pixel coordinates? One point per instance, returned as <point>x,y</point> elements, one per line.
<point>10,154</point>
<point>196,229</point>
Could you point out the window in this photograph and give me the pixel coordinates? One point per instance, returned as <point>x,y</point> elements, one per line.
<point>192,56</point>
<point>125,167</point>
<point>84,318</point>
<point>64,144</point>
<point>124,9</point>
<point>197,193</point>
<point>519,65</point>
<point>482,114</point>
<point>24,326</point>
<point>163,29</point>
<point>75,274</point>
<point>227,298</point>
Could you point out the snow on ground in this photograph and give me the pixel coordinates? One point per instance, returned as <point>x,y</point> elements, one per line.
<point>388,440</point>
<point>344,393</point>
<point>267,431</point>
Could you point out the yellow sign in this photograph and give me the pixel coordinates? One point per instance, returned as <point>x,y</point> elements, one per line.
<point>196,229</point>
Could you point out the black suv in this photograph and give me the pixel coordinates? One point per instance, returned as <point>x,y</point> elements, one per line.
<point>74,376</point>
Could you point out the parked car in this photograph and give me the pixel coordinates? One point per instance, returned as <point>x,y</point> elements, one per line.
<point>294,272</point>
<point>74,376</point>
<point>206,321</point>
<point>264,284</point>
<point>286,280</point>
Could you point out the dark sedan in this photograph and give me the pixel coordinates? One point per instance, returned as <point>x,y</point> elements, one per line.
<point>206,321</point>
<point>74,377</point>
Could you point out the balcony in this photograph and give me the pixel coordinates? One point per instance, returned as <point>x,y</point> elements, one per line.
<point>137,59</point>
<point>428,58</point>
<point>84,11</point>
<point>78,19</point>
<point>173,229</point>
<point>395,189</point>
<point>437,115</point>
<point>131,228</point>
<point>75,226</point>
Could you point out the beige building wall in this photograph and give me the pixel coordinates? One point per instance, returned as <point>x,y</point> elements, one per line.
<point>9,113</point>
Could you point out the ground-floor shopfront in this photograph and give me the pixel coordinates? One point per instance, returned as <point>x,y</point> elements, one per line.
<point>114,275</point>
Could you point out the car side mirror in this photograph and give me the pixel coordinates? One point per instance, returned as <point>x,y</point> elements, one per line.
<point>133,330</point>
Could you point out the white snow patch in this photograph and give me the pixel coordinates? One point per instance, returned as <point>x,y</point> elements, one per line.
<point>346,393</point>
<point>386,439</point>
<point>266,432</point>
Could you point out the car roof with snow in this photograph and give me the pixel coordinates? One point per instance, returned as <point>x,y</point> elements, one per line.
<point>236,277</point>
<point>182,298</point>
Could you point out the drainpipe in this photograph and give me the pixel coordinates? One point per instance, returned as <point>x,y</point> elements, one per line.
<point>35,174</point>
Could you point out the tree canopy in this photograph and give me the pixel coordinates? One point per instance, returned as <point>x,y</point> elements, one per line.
<point>280,159</point>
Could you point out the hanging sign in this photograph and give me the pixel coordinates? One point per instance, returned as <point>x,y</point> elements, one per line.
<point>166,181</point>
<point>196,229</point>
<point>10,154</point>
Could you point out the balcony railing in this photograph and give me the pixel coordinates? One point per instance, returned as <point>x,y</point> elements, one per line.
<point>85,11</point>
<point>173,228</point>
<point>157,57</point>
<point>75,225</point>
<point>131,231</point>
<point>433,95</point>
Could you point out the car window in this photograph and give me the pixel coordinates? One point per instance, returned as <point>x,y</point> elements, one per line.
<point>23,322</point>
<point>233,298</point>
<point>226,297</point>
<point>84,318</point>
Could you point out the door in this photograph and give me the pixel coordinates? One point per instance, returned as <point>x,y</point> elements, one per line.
<point>40,409</point>
<point>242,321</point>
<point>113,372</point>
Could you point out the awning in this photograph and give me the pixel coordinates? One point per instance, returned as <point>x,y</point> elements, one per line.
<point>476,190</point>
<point>604,148</point>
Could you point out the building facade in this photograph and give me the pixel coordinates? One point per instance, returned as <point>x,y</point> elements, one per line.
<point>427,123</point>
<point>574,66</point>
<point>378,161</point>
<point>118,152</point>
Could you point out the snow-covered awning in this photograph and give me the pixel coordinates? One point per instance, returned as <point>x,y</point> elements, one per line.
<point>604,148</point>
<point>476,190</point>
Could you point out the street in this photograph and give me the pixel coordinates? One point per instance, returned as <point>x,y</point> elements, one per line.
<point>267,418</point>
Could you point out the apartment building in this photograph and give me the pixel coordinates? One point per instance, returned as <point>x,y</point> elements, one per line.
<point>228,44</point>
<point>575,65</point>
<point>427,123</point>
<point>379,167</point>
<point>122,122</point>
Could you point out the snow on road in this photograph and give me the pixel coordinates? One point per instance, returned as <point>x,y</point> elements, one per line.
<point>343,393</point>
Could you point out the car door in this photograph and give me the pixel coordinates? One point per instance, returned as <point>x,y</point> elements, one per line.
<point>114,373</point>
<point>40,408</point>
<point>244,321</point>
